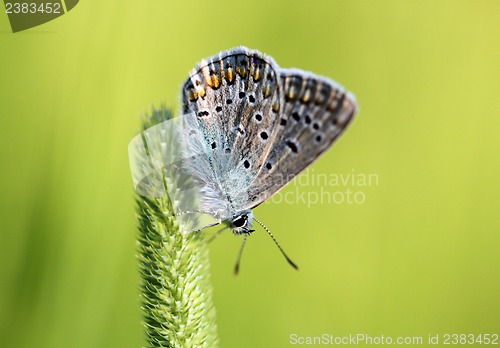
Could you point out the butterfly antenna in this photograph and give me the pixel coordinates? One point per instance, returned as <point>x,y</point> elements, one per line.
<point>237,266</point>
<point>192,212</point>
<point>211,239</point>
<point>277,244</point>
<point>201,212</point>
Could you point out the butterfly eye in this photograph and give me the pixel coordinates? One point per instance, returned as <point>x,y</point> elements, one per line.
<point>240,221</point>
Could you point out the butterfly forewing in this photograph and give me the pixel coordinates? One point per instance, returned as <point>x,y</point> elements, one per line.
<point>315,112</point>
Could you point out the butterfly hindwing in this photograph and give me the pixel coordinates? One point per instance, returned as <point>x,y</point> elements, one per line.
<point>315,112</point>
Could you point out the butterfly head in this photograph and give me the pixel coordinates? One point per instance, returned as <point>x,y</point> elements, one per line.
<point>241,223</point>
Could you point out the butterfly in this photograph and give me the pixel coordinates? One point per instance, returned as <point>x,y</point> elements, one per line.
<point>256,126</point>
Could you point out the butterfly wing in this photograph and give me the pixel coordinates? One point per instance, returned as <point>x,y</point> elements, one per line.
<point>315,112</point>
<point>235,99</point>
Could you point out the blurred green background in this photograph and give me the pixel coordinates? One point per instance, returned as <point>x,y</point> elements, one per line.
<point>420,256</point>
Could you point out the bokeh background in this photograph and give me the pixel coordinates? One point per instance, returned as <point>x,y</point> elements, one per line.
<point>419,256</point>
